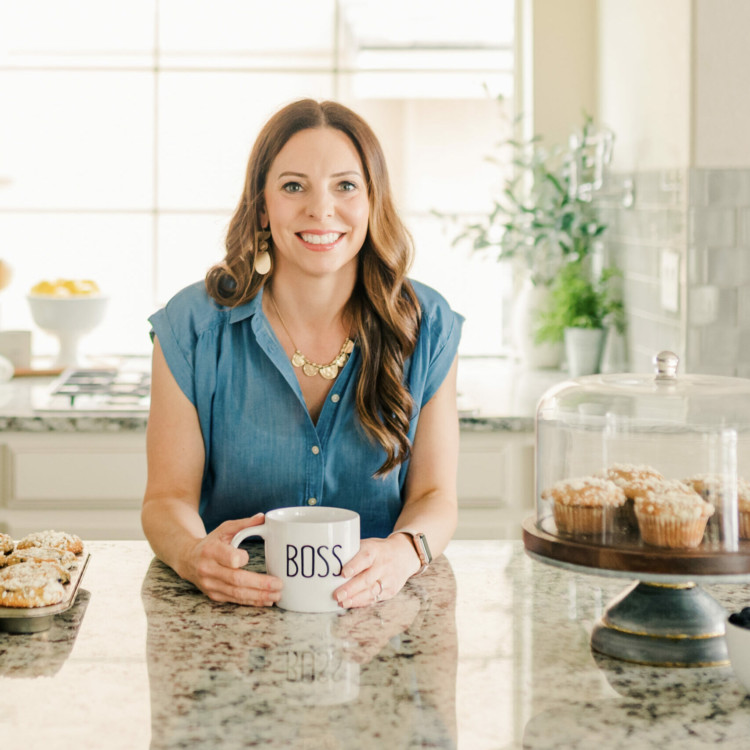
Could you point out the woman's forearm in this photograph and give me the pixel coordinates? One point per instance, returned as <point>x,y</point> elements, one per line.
<point>172,528</point>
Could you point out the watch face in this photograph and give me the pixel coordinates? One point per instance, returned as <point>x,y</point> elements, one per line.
<point>421,540</point>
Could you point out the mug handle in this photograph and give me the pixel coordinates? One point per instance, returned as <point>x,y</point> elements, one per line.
<point>240,536</point>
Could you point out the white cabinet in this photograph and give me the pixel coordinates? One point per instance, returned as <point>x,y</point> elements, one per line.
<point>495,484</point>
<point>88,483</point>
<point>92,484</point>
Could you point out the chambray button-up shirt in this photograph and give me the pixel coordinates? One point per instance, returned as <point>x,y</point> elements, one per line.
<point>263,450</point>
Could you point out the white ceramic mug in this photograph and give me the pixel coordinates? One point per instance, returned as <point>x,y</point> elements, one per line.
<point>307,547</point>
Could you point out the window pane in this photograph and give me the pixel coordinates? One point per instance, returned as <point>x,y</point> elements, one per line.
<point>241,34</point>
<point>469,24</point>
<point>189,245</point>
<point>115,251</point>
<point>76,33</point>
<point>76,139</point>
<point>207,125</point>
<point>477,287</point>
<point>436,151</point>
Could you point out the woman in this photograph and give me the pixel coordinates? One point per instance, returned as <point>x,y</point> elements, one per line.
<point>306,369</point>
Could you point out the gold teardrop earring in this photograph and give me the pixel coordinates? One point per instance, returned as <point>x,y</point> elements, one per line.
<point>262,264</point>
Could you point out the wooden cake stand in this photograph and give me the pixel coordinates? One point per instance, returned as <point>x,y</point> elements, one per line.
<point>665,618</point>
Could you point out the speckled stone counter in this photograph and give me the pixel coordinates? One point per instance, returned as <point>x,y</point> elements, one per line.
<point>489,649</point>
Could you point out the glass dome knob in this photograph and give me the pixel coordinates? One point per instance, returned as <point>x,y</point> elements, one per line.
<point>666,365</point>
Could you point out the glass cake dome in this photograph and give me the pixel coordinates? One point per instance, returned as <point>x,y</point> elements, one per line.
<point>645,472</point>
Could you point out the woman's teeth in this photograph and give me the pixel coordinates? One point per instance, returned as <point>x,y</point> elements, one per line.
<point>320,239</point>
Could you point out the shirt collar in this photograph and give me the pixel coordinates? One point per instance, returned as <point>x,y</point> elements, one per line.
<point>253,307</point>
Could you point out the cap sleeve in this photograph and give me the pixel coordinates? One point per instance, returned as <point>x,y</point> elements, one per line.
<point>177,326</point>
<point>438,341</point>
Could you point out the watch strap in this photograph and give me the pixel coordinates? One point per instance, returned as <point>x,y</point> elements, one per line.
<point>419,540</point>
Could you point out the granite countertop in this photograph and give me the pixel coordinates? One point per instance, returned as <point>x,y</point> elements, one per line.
<point>488,650</point>
<point>494,395</point>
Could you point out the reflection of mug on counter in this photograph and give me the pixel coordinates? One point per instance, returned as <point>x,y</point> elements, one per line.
<point>314,662</point>
<point>307,549</point>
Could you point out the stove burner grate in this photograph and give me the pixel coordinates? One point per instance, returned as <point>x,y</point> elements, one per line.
<point>110,383</point>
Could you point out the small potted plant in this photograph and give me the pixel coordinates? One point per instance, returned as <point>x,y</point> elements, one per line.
<point>540,224</point>
<point>582,306</point>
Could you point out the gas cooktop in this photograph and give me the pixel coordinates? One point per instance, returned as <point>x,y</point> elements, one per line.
<point>99,389</point>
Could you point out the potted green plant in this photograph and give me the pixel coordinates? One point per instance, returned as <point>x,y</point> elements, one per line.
<point>582,307</point>
<point>539,223</point>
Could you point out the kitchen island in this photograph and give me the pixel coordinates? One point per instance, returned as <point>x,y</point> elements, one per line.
<point>488,649</point>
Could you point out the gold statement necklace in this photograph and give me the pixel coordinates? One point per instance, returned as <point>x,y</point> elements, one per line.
<point>311,369</point>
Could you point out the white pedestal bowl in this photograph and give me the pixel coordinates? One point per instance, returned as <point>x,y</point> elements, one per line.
<point>68,318</point>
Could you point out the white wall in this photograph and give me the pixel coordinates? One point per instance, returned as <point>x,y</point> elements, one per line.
<point>645,80</point>
<point>564,66</point>
<point>673,82</point>
<point>721,111</point>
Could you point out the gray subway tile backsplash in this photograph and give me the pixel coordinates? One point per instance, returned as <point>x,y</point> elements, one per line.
<point>712,226</point>
<point>704,215</point>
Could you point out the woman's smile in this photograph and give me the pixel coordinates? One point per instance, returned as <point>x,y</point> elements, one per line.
<point>318,241</point>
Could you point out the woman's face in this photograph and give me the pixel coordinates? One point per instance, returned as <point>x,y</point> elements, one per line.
<point>316,203</point>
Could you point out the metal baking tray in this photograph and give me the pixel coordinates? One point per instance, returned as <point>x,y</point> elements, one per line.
<point>38,619</point>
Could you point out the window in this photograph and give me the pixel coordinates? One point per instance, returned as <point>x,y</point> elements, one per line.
<point>126,128</point>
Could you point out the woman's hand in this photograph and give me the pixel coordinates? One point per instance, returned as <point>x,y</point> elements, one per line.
<point>215,567</point>
<point>378,571</point>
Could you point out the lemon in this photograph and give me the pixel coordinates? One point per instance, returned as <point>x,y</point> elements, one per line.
<point>66,287</point>
<point>5,274</point>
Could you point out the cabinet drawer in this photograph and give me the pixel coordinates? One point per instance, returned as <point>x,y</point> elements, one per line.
<point>76,472</point>
<point>496,470</point>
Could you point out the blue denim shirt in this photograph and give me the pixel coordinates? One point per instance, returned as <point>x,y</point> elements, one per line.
<point>263,450</point>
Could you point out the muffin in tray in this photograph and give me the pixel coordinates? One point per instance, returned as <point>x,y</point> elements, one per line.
<point>672,515</point>
<point>713,488</point>
<point>585,505</point>
<point>52,539</point>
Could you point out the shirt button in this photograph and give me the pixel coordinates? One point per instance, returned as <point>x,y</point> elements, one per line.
<point>312,500</point>
<point>315,450</point>
<point>335,398</point>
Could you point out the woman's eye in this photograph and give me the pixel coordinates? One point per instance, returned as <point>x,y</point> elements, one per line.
<point>347,186</point>
<point>292,187</point>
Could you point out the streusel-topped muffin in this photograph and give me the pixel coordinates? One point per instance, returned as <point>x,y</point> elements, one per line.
<point>584,505</point>
<point>672,515</point>
<point>713,488</point>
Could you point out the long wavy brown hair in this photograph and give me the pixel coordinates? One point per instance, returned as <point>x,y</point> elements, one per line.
<point>384,307</point>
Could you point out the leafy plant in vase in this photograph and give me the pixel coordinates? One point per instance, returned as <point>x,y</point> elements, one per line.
<point>539,224</point>
<point>582,307</point>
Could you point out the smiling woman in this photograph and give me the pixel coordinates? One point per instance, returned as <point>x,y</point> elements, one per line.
<point>240,423</point>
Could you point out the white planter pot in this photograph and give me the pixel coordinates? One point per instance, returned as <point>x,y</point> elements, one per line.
<point>529,301</point>
<point>583,350</point>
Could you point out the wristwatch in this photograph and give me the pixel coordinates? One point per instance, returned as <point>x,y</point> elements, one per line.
<point>419,540</point>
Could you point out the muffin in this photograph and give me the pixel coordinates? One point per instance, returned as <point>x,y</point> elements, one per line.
<point>634,480</point>
<point>584,505</point>
<point>672,515</point>
<point>31,584</point>
<point>52,539</point>
<point>712,488</point>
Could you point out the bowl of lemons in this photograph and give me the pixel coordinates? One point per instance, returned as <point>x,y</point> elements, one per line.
<point>67,309</point>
